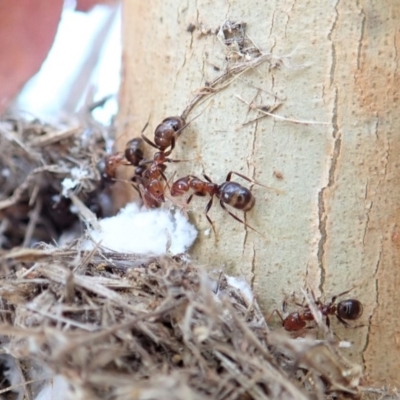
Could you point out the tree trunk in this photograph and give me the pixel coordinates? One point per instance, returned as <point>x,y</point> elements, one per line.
<point>333,222</point>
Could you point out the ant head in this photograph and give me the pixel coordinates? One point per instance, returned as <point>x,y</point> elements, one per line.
<point>114,159</point>
<point>236,196</point>
<point>156,190</point>
<point>349,309</point>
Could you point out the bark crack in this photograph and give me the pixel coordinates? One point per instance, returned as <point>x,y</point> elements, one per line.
<point>368,334</point>
<point>333,65</point>
<point>253,270</point>
<point>250,167</point>
<point>362,33</point>
<point>322,212</point>
<point>395,53</point>
<point>367,214</point>
<point>323,193</point>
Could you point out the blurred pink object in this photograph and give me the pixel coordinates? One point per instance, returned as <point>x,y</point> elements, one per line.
<point>27,32</point>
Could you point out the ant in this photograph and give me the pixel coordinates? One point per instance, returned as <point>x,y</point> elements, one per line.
<point>152,191</point>
<point>230,193</point>
<point>112,162</point>
<point>133,155</point>
<point>166,134</point>
<point>149,178</point>
<point>350,309</point>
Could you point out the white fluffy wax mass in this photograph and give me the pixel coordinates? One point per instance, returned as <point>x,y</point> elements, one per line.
<point>142,231</point>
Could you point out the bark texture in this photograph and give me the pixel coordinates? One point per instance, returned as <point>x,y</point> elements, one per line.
<point>335,225</point>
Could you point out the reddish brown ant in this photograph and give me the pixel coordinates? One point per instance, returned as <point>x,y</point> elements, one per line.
<point>349,309</point>
<point>112,162</point>
<point>166,134</point>
<point>230,193</point>
<point>133,155</point>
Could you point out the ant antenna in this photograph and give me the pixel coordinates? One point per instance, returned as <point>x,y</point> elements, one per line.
<point>229,176</point>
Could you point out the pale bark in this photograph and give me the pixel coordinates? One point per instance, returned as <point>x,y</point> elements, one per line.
<point>335,225</point>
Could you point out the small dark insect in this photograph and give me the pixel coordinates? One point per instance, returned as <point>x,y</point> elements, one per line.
<point>349,309</point>
<point>230,193</point>
<point>190,28</point>
<point>278,174</point>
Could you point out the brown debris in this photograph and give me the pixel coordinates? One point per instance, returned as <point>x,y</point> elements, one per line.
<point>121,326</point>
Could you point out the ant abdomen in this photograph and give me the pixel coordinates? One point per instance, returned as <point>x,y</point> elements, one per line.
<point>293,322</point>
<point>134,151</point>
<point>176,123</point>
<point>180,187</point>
<point>156,190</point>
<point>349,309</point>
<point>236,195</point>
<point>167,131</point>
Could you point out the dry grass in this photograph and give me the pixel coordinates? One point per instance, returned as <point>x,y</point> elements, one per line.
<point>123,327</point>
<point>119,326</point>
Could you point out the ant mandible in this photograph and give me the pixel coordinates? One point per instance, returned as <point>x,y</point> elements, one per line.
<point>230,193</point>
<point>350,309</point>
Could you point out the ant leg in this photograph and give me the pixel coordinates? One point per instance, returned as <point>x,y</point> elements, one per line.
<point>144,162</point>
<point>164,178</point>
<point>230,173</point>
<point>240,220</point>
<point>167,153</point>
<point>148,141</point>
<point>328,322</point>
<point>207,178</point>
<point>207,209</point>
<point>271,315</point>
<point>145,127</point>
<point>135,186</point>
<point>341,320</point>
<point>340,294</point>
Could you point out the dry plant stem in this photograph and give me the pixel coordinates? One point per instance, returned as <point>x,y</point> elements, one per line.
<point>33,220</point>
<point>87,216</point>
<point>54,137</point>
<point>253,121</point>
<point>19,192</point>
<point>225,80</point>
<point>24,382</point>
<point>112,325</point>
<point>24,385</point>
<point>271,114</point>
<point>247,386</point>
